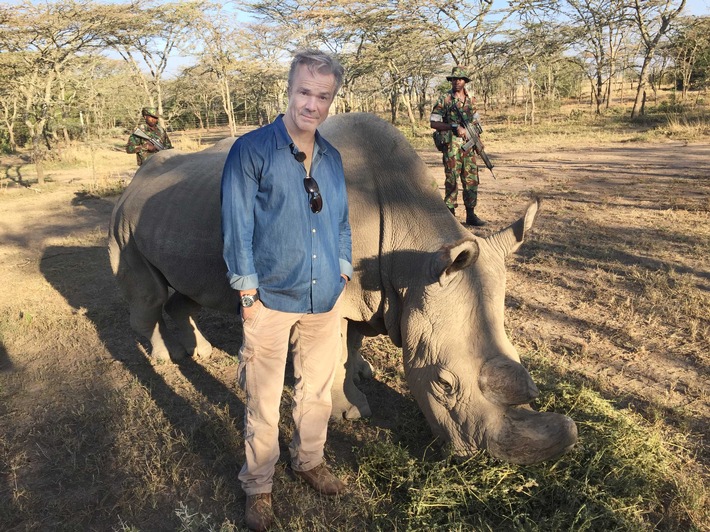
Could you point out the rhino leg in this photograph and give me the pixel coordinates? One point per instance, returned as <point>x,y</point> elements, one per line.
<point>348,401</point>
<point>148,322</point>
<point>146,291</point>
<point>182,310</point>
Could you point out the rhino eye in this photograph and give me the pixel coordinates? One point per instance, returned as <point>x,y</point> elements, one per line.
<point>445,385</point>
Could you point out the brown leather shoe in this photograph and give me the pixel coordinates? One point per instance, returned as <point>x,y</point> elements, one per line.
<point>259,515</point>
<point>322,480</point>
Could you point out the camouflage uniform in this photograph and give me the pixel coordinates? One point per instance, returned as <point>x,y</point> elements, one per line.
<point>137,145</point>
<point>458,163</point>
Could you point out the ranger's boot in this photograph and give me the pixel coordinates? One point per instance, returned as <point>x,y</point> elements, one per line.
<point>452,210</point>
<point>472,219</point>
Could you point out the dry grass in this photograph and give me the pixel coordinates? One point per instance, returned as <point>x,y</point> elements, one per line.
<point>607,305</point>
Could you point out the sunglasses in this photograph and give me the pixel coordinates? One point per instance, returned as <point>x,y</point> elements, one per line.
<point>314,197</point>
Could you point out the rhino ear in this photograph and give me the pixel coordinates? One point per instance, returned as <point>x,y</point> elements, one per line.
<point>509,239</point>
<point>454,257</point>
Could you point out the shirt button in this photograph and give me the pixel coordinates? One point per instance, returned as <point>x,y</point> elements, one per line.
<point>314,281</point>
<point>313,230</point>
<point>314,256</point>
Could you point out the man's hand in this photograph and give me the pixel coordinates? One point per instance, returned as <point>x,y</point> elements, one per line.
<point>249,313</point>
<point>149,146</point>
<point>461,132</point>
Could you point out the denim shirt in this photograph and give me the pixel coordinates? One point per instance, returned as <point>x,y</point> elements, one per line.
<point>272,240</point>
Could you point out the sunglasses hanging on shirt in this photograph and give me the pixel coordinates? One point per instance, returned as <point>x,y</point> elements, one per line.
<point>314,197</point>
<point>310,184</point>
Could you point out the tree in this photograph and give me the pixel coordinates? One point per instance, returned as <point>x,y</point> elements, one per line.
<point>690,48</point>
<point>218,59</point>
<point>601,26</point>
<point>460,28</point>
<point>535,45</point>
<point>46,38</point>
<point>653,19</point>
<point>12,72</point>
<point>147,36</point>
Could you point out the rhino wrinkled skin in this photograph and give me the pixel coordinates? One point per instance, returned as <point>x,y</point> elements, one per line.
<point>421,278</point>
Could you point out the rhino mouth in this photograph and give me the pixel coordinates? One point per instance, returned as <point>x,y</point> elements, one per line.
<point>529,437</point>
<point>518,435</point>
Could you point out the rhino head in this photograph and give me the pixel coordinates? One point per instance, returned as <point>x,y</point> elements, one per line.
<point>460,365</point>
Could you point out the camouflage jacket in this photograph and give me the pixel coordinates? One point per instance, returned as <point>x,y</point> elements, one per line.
<point>444,111</point>
<point>138,145</point>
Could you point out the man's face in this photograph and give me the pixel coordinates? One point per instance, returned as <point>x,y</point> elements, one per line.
<point>309,100</point>
<point>150,120</point>
<point>458,84</point>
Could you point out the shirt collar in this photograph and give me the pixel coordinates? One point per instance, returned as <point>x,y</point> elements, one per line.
<point>283,140</point>
<point>465,95</point>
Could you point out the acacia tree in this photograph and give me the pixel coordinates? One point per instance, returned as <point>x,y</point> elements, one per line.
<point>148,37</point>
<point>690,46</point>
<point>601,26</point>
<point>460,28</point>
<point>195,93</point>
<point>535,45</point>
<point>221,49</point>
<point>46,38</point>
<point>653,19</point>
<point>12,71</point>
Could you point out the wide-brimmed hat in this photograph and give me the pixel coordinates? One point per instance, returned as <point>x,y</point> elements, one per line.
<point>150,111</point>
<point>458,73</point>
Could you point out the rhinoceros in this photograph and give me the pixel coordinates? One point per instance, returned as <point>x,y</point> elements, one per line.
<point>420,278</point>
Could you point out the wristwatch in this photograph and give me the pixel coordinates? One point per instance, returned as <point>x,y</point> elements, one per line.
<point>248,300</point>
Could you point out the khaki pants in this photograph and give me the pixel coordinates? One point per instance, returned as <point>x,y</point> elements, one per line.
<point>262,364</point>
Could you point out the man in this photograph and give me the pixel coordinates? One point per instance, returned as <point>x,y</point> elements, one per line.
<point>287,245</point>
<point>458,164</point>
<point>150,139</point>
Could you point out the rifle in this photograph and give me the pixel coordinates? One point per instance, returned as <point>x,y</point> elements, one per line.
<point>474,131</point>
<point>155,142</point>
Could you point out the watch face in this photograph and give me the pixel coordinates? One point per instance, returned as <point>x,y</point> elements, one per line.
<point>247,301</point>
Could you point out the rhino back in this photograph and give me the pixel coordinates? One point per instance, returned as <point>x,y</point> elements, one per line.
<point>170,214</point>
<point>397,215</point>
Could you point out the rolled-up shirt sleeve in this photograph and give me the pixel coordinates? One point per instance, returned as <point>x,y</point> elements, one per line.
<point>345,244</point>
<point>240,182</point>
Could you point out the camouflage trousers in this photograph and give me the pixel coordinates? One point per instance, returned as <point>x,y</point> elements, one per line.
<point>460,165</point>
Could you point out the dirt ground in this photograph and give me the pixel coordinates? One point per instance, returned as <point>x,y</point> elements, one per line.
<point>621,244</point>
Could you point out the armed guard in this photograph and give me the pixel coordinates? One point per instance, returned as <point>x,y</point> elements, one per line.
<point>149,139</point>
<point>458,163</point>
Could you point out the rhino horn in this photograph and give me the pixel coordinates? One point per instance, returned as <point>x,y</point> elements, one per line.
<point>506,382</point>
<point>509,239</point>
<point>526,437</point>
<point>454,257</point>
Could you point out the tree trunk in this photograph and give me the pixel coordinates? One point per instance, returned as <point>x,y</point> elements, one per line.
<point>641,89</point>
<point>394,103</point>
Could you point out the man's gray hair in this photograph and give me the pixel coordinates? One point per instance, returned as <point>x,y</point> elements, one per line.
<point>317,61</point>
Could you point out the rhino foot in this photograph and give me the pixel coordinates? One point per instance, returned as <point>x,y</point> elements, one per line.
<point>528,437</point>
<point>183,310</point>
<point>362,369</point>
<point>350,403</point>
<point>194,344</point>
<point>176,354</point>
